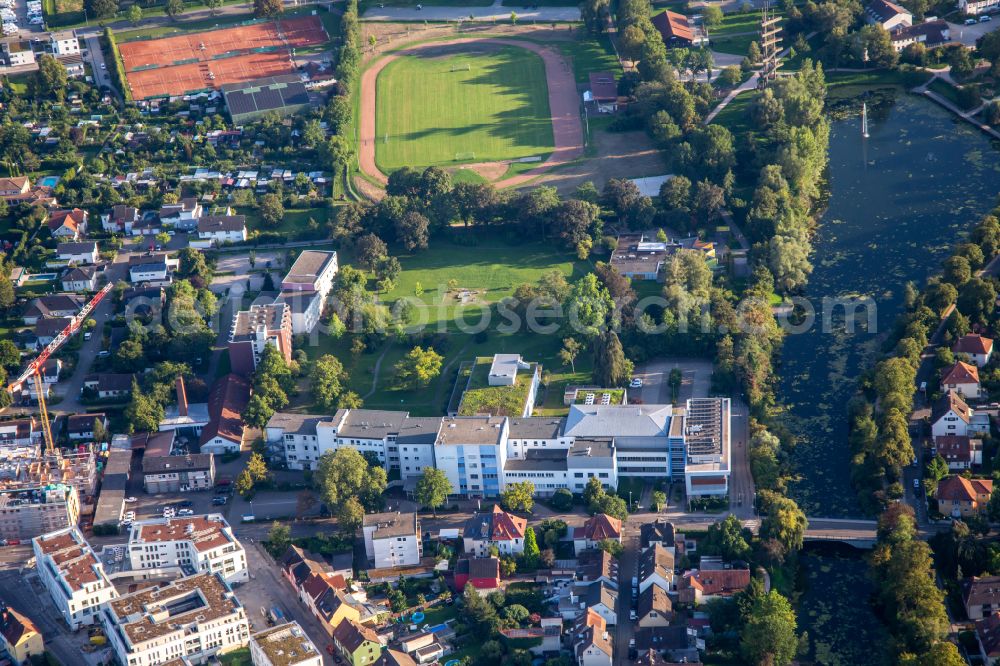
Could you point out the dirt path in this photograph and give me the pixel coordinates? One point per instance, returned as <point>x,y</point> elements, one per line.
<point>567,130</point>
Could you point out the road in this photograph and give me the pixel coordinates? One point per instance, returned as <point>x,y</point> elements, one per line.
<point>628,565</point>
<point>102,75</point>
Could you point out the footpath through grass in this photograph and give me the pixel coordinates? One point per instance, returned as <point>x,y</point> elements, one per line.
<point>477,106</point>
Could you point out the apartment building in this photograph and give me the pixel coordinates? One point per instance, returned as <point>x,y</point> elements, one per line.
<point>73,575</point>
<point>307,286</point>
<point>392,539</point>
<point>172,474</point>
<point>472,452</point>
<point>284,645</point>
<point>26,512</point>
<point>193,618</point>
<point>256,328</point>
<point>194,544</point>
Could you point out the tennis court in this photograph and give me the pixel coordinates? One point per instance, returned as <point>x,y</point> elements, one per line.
<point>188,63</point>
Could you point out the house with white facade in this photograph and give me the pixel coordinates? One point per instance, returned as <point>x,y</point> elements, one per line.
<point>950,416</point>
<point>206,543</point>
<point>81,278</point>
<point>498,529</point>
<point>977,7</point>
<point>182,215</point>
<point>592,642</point>
<point>73,575</point>
<point>152,268</point>
<point>597,528</point>
<point>120,219</point>
<point>82,252</point>
<point>306,288</point>
<point>64,43</point>
<point>193,618</point>
<point>887,14</point>
<point>656,567</point>
<point>392,539</point>
<point>68,225</point>
<point>962,378</point>
<point>977,348</point>
<point>221,229</point>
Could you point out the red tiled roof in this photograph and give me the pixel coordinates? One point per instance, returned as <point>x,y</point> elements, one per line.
<point>505,526</point>
<point>973,344</point>
<point>599,527</point>
<point>960,489</point>
<point>16,626</point>
<point>961,373</point>
<point>954,447</point>
<point>226,404</point>
<point>673,26</point>
<point>69,218</point>
<point>989,633</point>
<point>720,581</point>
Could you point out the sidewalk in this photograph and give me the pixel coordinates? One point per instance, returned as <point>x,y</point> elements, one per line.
<point>494,13</point>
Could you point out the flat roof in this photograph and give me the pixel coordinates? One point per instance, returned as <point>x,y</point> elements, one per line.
<point>392,524</point>
<point>483,430</point>
<point>205,532</point>
<point>309,265</point>
<point>285,644</point>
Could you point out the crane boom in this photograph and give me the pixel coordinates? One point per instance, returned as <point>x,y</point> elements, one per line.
<point>33,370</point>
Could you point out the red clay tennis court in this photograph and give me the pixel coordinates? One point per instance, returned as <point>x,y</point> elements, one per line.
<point>187,63</point>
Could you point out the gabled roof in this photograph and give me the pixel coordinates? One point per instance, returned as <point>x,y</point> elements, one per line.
<point>394,658</point>
<point>656,560</point>
<point>80,247</point>
<point>217,223</point>
<point>84,422</point>
<point>885,10</point>
<point>654,598</point>
<point>599,527</point>
<point>961,489</point>
<point>71,219</point>
<point>980,590</point>
<point>954,447</point>
<point>960,373</point>
<point>352,635</point>
<point>505,526</point>
<point>973,344</point>
<point>593,631</point>
<point>673,26</point>
<point>596,563</point>
<point>600,593</point>
<point>659,531</point>
<point>15,627</point>
<point>950,402</point>
<point>716,581</point>
<point>989,634</point>
<point>479,567</point>
<point>44,306</point>
<point>226,404</point>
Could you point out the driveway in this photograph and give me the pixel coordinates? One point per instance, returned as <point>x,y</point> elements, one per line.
<point>968,34</point>
<point>102,75</point>
<point>655,375</point>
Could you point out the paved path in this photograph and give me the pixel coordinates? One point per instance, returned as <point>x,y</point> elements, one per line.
<point>493,13</point>
<point>564,105</point>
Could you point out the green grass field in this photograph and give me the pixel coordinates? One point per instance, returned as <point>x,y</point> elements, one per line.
<point>462,107</point>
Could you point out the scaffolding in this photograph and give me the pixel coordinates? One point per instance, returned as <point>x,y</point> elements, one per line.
<point>770,45</point>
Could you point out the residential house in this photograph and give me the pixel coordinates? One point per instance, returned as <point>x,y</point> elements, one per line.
<point>64,43</point>
<point>597,528</point>
<point>256,328</point>
<point>69,225</point>
<point>592,643</point>
<point>976,7</point>
<point>392,539</point>
<point>82,278</point>
<point>173,474</point>
<point>887,14</point>
<point>602,599</point>
<point>976,347</point>
<point>47,330</point>
<point>960,497</point>
<point>19,432</point>
<point>962,378</point>
<point>395,658</point>
<point>639,258</point>
<point>151,268</point>
<point>221,229</point>
<point>596,565</point>
<point>284,645</point>
<point>120,219</point>
<point>307,286</point>
<point>357,644</point>
<point>78,252</point>
<point>73,575</point>
<point>329,603</point>
<point>655,609</point>
<point>205,543</point>
<point>227,402</point>
<point>676,30</point>
<point>14,186</point>
<point>960,452</point>
<point>929,33</point>
<point>548,631</point>
<point>657,532</point>
<point>676,643</point>
<point>183,215</point>
<point>981,596</point>
<point>988,635</point>
<point>950,416</point>
<point>656,567</point>
<point>499,528</point>
<point>82,426</point>
<point>701,585</point>
<point>109,385</point>
<point>19,637</point>
<point>51,306</point>
<point>483,573</point>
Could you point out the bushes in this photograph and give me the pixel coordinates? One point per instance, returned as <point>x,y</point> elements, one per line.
<point>119,68</point>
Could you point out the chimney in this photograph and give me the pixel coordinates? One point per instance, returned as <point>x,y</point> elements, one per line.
<point>182,401</point>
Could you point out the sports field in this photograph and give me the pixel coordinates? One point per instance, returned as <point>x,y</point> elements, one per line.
<point>463,103</point>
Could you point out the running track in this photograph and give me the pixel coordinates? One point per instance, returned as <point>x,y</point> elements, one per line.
<point>564,105</point>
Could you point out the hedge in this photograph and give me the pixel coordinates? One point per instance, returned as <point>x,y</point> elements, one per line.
<point>112,44</point>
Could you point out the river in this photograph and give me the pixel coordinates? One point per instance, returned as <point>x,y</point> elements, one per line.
<point>897,202</point>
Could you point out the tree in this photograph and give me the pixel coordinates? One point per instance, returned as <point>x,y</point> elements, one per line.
<point>280,537</point>
<point>727,538</point>
<point>531,551</point>
<point>101,434</point>
<point>135,14</point>
<point>785,522</point>
<point>754,54</point>
<point>593,13</point>
<point>730,76</point>
<point>659,500</point>
<point>349,400</point>
<point>345,473</point>
<point>611,368</point>
<point>942,653</point>
<point>143,413</point>
<point>327,378</point>
<point>711,16</point>
<point>7,295</point>
<point>412,231</point>
<point>175,8</point>
<point>272,211</point>
<point>957,270</point>
<point>10,357</point>
<point>611,547</point>
<point>593,490</point>
<point>244,483</point>
<point>52,77</point>
<point>519,496</point>
<point>937,469</point>
<point>570,350</point>
<point>267,8</point>
<point>257,467</point>
<point>350,516</point>
<point>213,5</point>
<point>433,488</point>
<point>418,367</point>
<point>709,199</point>
<point>562,499</point>
<point>102,9</point>
<point>769,633</point>
<point>370,250</point>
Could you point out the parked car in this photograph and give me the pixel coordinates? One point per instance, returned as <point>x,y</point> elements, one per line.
<point>970,21</point>
<point>130,500</point>
<point>185,512</point>
<point>218,501</point>
<point>985,19</point>
<point>632,615</point>
<point>916,484</point>
<point>636,383</point>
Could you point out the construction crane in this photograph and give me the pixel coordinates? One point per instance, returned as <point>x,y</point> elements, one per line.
<point>33,370</point>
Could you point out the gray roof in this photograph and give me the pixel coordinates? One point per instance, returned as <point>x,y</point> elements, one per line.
<point>482,430</point>
<point>659,531</point>
<point>309,265</point>
<point>536,427</point>
<point>392,524</point>
<point>585,451</point>
<point>656,560</point>
<point>189,463</point>
<point>76,248</point>
<point>296,424</point>
<point>601,593</point>
<point>539,460</point>
<point>212,223</point>
<point>618,420</point>
<point>370,423</point>
<point>504,365</point>
<point>419,430</point>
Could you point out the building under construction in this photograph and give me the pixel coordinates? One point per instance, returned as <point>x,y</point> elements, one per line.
<point>770,45</point>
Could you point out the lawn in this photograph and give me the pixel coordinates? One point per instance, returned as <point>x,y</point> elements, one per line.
<point>734,44</point>
<point>736,116</point>
<point>591,55</point>
<point>462,107</point>
<point>236,658</point>
<point>949,92</point>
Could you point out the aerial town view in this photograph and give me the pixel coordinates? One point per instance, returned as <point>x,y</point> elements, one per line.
<point>499,332</point>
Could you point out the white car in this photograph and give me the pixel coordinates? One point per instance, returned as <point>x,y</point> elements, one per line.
<point>970,21</point>
<point>636,383</point>
<point>185,512</point>
<point>130,500</point>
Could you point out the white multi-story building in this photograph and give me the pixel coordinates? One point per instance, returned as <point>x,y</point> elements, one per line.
<point>472,452</point>
<point>195,544</point>
<point>392,539</point>
<point>284,645</point>
<point>64,43</point>
<point>193,618</point>
<point>307,286</point>
<point>73,575</point>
